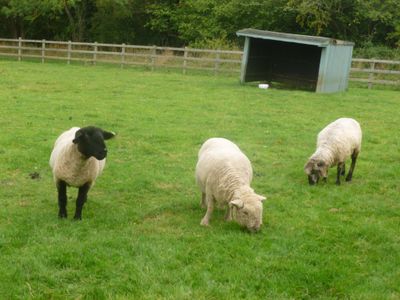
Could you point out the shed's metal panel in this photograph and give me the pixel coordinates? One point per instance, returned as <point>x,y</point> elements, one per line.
<point>334,69</point>
<point>292,38</point>
<point>245,59</point>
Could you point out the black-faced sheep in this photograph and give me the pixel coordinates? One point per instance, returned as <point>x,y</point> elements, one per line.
<point>335,143</point>
<point>78,157</point>
<point>224,174</point>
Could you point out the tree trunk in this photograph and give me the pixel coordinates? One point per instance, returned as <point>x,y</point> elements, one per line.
<point>71,21</point>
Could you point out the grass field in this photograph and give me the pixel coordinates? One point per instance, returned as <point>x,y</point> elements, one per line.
<point>140,236</point>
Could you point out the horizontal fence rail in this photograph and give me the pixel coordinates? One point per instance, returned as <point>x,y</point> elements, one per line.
<point>375,71</point>
<point>216,61</point>
<point>369,71</point>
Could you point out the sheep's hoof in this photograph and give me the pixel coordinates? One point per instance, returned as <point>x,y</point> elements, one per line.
<point>348,179</point>
<point>77,218</point>
<point>204,223</point>
<point>62,215</point>
<point>337,182</point>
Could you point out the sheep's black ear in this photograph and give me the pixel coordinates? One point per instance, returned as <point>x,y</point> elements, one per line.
<point>108,135</point>
<point>78,136</point>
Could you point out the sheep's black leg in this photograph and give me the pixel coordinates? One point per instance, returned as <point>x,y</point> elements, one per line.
<point>62,198</point>
<point>353,164</point>
<point>343,170</point>
<point>82,196</point>
<point>340,167</point>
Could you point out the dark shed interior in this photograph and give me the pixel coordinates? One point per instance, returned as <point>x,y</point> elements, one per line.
<point>291,64</point>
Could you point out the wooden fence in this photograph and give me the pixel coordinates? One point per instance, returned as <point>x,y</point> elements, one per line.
<point>375,71</point>
<point>369,71</point>
<point>216,61</point>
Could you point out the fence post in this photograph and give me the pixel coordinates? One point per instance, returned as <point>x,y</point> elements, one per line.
<point>19,48</point>
<point>371,75</point>
<point>123,55</point>
<point>153,53</point>
<point>185,55</point>
<point>95,53</point>
<point>217,59</point>
<point>43,50</point>
<point>69,52</point>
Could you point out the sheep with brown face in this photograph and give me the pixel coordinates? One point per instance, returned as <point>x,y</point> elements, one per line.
<point>77,159</point>
<point>338,141</point>
<point>224,174</point>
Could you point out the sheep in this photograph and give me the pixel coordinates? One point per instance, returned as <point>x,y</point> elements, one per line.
<point>78,157</point>
<point>335,143</point>
<point>223,174</point>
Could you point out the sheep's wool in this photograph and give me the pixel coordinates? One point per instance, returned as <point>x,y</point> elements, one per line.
<point>337,141</point>
<point>224,173</point>
<point>69,165</point>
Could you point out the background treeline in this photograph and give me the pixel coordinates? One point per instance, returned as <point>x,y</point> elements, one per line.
<point>200,23</point>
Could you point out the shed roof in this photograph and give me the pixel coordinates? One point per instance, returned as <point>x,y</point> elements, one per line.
<point>292,38</point>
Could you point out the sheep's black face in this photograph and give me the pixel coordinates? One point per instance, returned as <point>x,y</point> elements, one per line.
<point>90,141</point>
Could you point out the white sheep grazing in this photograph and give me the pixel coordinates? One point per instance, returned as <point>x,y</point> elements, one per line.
<point>335,143</point>
<point>78,157</point>
<point>224,174</point>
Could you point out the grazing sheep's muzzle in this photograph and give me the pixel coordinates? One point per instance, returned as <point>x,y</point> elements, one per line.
<point>313,179</point>
<point>254,229</point>
<point>101,155</point>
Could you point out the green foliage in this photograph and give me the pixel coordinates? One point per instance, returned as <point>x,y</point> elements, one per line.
<point>360,21</point>
<point>140,236</point>
<point>199,22</point>
<point>217,43</point>
<point>368,50</point>
<point>113,22</point>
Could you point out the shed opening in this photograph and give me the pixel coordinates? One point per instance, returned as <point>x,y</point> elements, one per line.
<point>291,64</point>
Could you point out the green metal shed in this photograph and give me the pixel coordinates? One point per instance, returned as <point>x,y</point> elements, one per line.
<point>305,62</point>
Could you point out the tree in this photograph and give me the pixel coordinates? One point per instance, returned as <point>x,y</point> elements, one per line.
<point>19,14</point>
<point>203,23</point>
<point>31,16</point>
<point>357,20</point>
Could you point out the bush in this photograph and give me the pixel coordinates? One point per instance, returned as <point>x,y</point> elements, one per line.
<point>380,52</point>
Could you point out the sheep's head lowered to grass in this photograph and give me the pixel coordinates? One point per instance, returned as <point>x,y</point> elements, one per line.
<point>315,169</point>
<point>336,142</point>
<point>90,141</point>
<point>224,174</point>
<point>248,213</point>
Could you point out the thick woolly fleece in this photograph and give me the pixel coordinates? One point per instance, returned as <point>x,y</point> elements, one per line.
<point>338,141</point>
<point>69,165</point>
<point>224,174</point>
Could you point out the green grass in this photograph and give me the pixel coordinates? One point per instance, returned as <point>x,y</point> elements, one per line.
<point>140,236</point>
